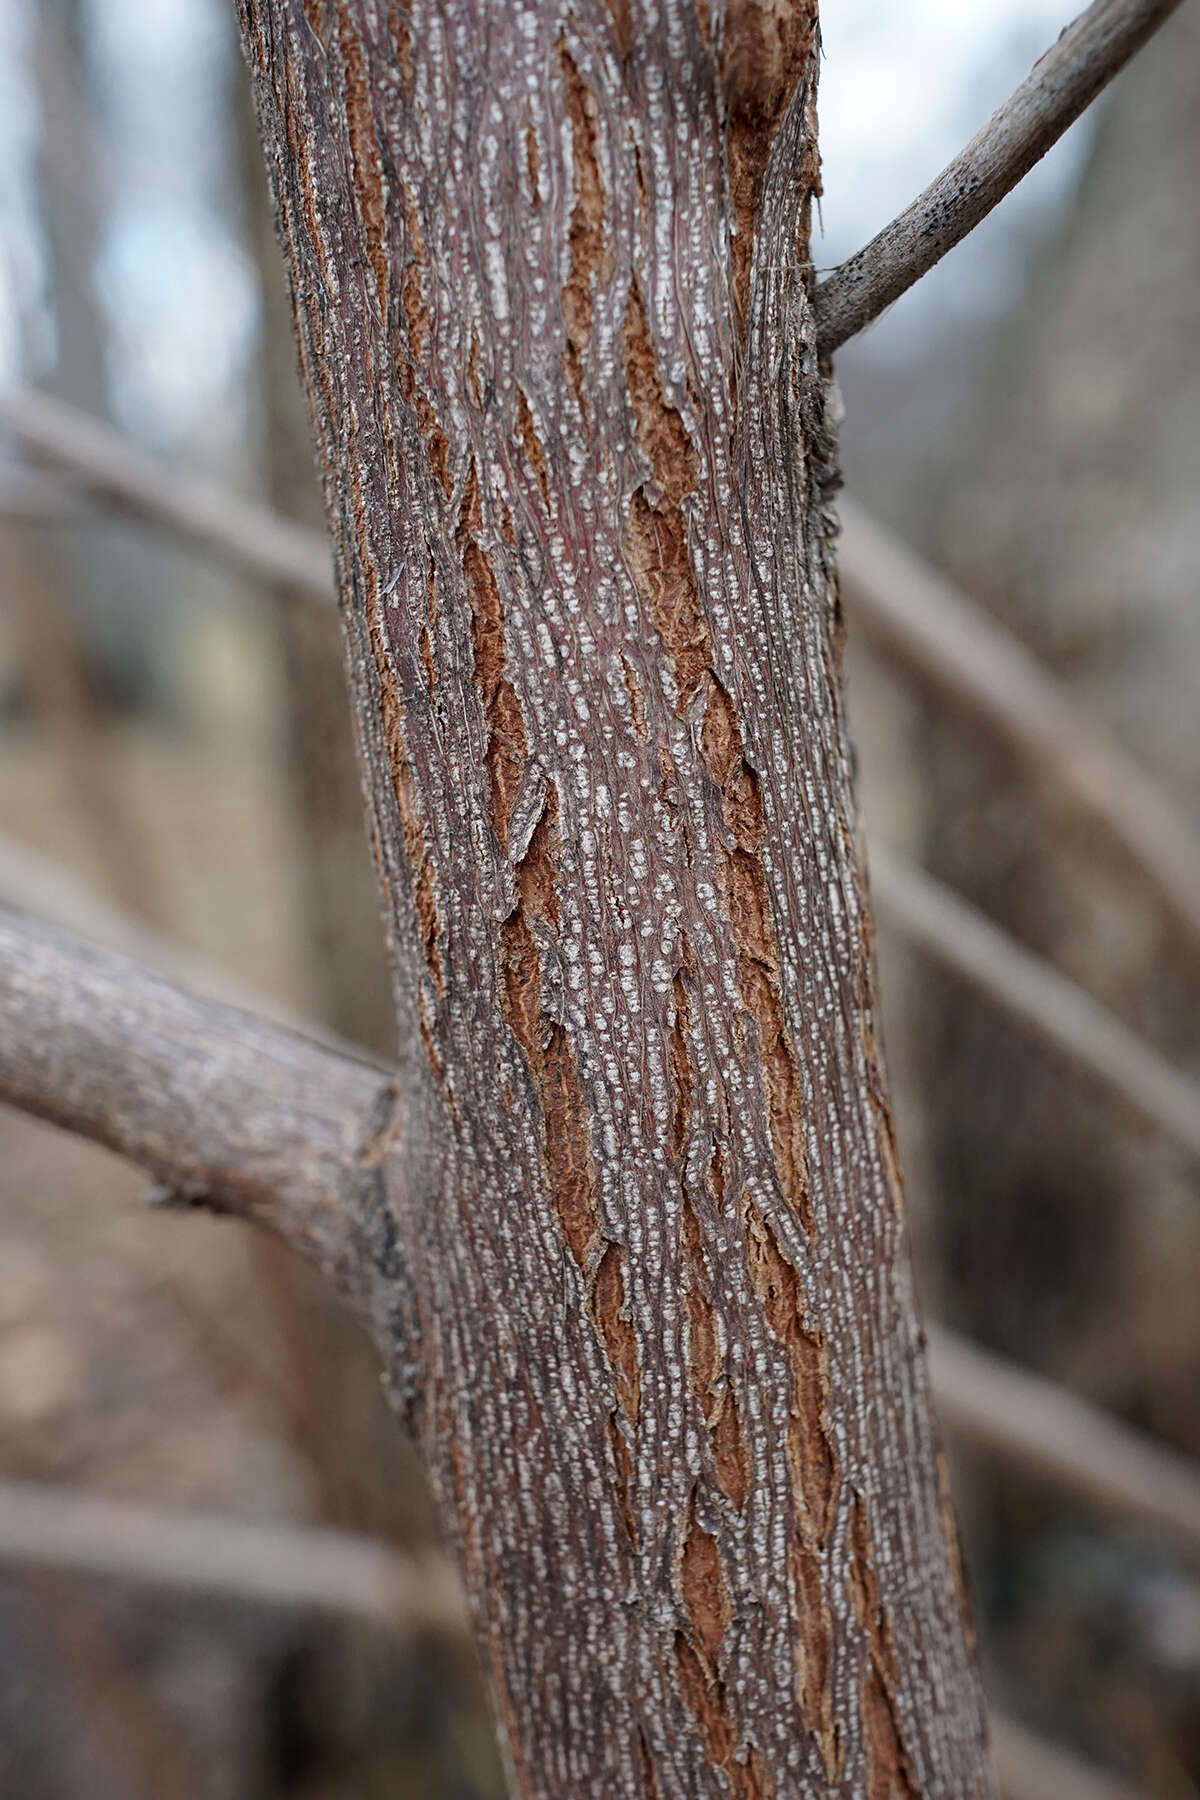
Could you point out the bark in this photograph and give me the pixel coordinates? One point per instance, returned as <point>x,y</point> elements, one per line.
<point>226,1110</point>
<point>550,273</point>
<point>343,926</point>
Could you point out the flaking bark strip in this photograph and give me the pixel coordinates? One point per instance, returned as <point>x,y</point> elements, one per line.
<point>415,843</point>
<point>418,321</point>
<point>566,1153</point>
<point>815,1474</point>
<point>508,744</point>
<point>706,1372</point>
<point>533,166</point>
<point>888,1771</point>
<point>683,1072</point>
<point>610,1312</point>
<point>707,1701</point>
<point>659,428</point>
<point>587,242</point>
<point>531,444</point>
<point>371,188</point>
<point>764,52</point>
<point>704,1590</point>
<point>887,1776</point>
<point>815,1477</point>
<point>813,1651</point>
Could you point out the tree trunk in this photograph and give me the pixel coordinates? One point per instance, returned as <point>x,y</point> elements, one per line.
<point>653,1321</point>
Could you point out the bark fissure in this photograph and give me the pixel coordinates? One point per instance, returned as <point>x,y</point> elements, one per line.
<point>578,470</point>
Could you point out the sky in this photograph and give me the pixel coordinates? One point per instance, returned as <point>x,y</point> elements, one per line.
<point>902,88</point>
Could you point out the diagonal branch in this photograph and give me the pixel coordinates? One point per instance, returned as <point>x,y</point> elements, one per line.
<point>1043,1427</point>
<point>933,631</point>
<point>112,468</point>
<point>1030,990</point>
<point>50,1525</point>
<point>1092,49</point>
<point>40,888</point>
<point>226,1110</point>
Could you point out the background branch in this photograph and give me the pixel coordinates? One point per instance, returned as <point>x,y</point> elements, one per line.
<point>1092,49</point>
<point>953,933</point>
<point>112,468</point>
<point>1042,1426</point>
<point>53,1526</point>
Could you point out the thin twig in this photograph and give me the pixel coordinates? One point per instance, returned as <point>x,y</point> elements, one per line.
<point>947,644</point>
<point>1042,1426</point>
<point>953,933</point>
<point>54,1526</point>
<point>226,1110</point>
<point>199,511</point>
<point>1092,49</point>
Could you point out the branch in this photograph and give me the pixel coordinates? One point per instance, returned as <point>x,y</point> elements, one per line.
<point>946,643</point>
<point>1094,48</point>
<point>203,514</point>
<point>44,890</point>
<point>52,1526</point>
<point>1045,1428</point>
<point>224,1109</point>
<point>1030,990</point>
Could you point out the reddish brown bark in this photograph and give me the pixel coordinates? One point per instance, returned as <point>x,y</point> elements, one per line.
<point>655,1330</point>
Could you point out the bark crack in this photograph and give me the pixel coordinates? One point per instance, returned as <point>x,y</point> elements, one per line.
<point>587,241</point>
<point>764,52</point>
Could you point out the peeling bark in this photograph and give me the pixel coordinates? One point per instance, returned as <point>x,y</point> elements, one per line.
<point>550,271</point>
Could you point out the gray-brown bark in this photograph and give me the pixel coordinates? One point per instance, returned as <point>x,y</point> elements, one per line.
<point>550,274</point>
<point>226,1110</point>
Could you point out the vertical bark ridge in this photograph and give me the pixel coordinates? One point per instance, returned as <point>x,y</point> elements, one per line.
<point>549,262</point>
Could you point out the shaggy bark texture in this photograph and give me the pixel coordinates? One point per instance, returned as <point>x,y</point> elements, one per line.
<point>655,1331</point>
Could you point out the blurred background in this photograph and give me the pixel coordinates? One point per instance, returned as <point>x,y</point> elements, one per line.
<point>177,776</point>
